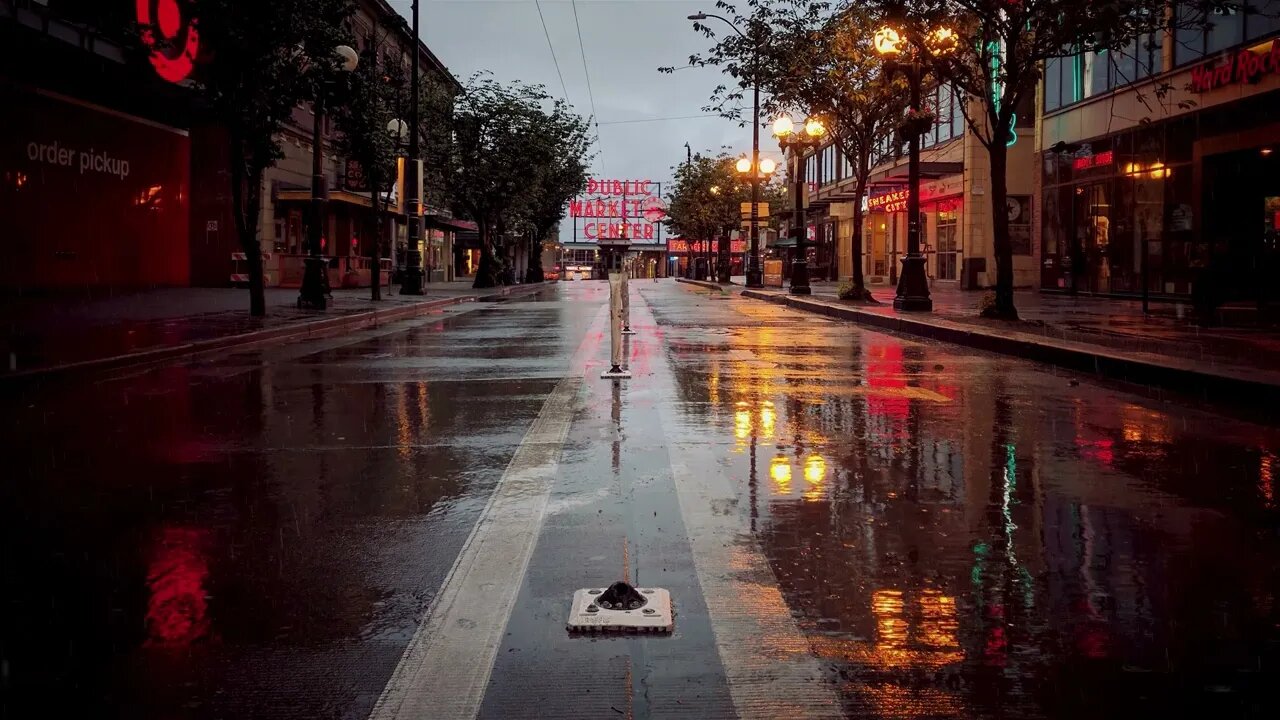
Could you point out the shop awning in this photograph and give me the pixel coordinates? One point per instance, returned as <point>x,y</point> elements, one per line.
<point>341,196</point>
<point>932,170</point>
<point>442,222</point>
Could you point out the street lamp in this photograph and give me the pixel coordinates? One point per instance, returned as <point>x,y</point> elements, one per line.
<point>913,287</point>
<point>755,277</point>
<point>315,278</point>
<point>411,280</point>
<point>797,141</point>
<point>761,171</point>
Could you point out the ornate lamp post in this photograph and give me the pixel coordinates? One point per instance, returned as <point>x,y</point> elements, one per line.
<point>913,286</point>
<point>763,169</point>
<point>797,141</point>
<point>315,278</point>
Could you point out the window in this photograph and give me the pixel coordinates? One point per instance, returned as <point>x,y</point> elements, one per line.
<point>1052,84</point>
<point>1261,17</point>
<point>957,112</point>
<point>1097,73</point>
<point>944,113</point>
<point>1226,29</point>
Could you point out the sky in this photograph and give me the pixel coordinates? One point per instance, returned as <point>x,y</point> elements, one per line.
<point>623,44</point>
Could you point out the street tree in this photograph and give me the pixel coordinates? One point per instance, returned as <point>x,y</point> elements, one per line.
<point>994,54</point>
<point>562,176</point>
<point>262,59</point>
<point>367,134</point>
<point>706,197</point>
<point>503,143</point>
<point>812,58</point>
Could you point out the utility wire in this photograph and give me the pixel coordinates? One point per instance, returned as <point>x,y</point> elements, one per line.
<point>538,4</point>
<point>595,117</point>
<point>658,119</point>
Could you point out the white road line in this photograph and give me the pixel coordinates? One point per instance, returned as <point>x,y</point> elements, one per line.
<point>769,664</point>
<point>445,670</point>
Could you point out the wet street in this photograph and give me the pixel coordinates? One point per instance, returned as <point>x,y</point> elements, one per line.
<point>391,524</point>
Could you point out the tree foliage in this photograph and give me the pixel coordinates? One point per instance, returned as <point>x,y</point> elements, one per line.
<point>706,198</point>
<point>509,161</point>
<point>367,108</point>
<point>812,58</point>
<point>260,60</point>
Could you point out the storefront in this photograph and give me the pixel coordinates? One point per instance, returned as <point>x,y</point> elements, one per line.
<point>1179,193</point>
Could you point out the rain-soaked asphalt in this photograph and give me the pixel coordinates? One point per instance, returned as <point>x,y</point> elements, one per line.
<point>850,523</point>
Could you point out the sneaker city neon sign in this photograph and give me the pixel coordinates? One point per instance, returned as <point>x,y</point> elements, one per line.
<point>169,36</point>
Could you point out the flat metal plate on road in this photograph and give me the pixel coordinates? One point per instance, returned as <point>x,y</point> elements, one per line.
<point>654,617</point>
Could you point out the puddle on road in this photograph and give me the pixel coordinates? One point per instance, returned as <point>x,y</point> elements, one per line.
<point>965,535</point>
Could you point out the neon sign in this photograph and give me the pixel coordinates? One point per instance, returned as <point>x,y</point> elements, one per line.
<point>613,231</point>
<point>893,201</point>
<point>1092,161</point>
<point>679,245</point>
<point>633,205</point>
<point>1246,66</point>
<point>171,38</point>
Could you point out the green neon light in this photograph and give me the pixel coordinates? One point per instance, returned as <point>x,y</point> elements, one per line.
<point>994,49</point>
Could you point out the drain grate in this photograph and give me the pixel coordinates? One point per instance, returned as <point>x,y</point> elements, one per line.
<point>621,608</point>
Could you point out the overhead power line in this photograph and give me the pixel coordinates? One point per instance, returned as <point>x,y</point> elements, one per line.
<point>563,87</point>
<point>595,117</point>
<point>658,119</point>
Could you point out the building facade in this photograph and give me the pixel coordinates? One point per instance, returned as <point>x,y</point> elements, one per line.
<point>1157,169</point>
<point>955,224</point>
<point>111,176</point>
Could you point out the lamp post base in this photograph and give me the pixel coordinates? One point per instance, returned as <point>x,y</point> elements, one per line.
<point>800,278</point>
<point>913,286</point>
<point>314,289</point>
<point>411,282</point>
<point>755,278</point>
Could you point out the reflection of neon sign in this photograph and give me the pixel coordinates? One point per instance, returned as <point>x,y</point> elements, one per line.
<point>171,38</point>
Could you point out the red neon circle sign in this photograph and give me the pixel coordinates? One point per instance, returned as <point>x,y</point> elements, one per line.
<point>171,38</point>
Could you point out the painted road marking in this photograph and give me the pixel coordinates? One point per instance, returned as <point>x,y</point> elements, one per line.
<point>445,670</point>
<point>770,668</point>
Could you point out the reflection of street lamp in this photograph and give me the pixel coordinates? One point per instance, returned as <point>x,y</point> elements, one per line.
<point>913,287</point>
<point>797,142</point>
<point>315,278</point>
<point>755,278</point>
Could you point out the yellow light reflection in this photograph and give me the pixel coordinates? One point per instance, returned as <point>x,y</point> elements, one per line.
<point>767,419</point>
<point>1266,483</point>
<point>742,424</point>
<point>938,624</point>
<point>815,472</point>
<point>780,471</point>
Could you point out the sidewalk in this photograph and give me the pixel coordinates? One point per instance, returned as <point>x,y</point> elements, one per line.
<point>1097,335</point>
<point>55,332</point>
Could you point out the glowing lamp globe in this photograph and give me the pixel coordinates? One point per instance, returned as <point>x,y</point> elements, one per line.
<point>767,166</point>
<point>744,164</point>
<point>888,42</point>
<point>783,126</point>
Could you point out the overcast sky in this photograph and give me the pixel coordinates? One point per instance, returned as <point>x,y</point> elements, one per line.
<point>623,42</point>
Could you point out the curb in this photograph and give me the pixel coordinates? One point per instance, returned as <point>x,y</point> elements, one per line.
<point>707,284</point>
<point>1139,368</point>
<point>297,331</point>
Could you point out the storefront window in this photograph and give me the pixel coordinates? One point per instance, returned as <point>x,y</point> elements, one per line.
<point>957,112</point>
<point>1097,73</point>
<point>947,245</point>
<point>1019,208</point>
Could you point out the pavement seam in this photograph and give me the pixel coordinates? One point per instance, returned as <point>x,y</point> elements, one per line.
<point>445,669</point>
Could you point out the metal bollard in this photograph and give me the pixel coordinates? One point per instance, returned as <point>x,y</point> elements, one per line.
<point>616,285</point>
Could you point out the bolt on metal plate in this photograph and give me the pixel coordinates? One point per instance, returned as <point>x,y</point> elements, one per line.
<point>605,610</point>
